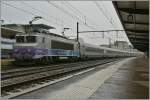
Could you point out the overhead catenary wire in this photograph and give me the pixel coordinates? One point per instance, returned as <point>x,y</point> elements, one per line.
<point>10,5</point>
<point>79,13</point>
<point>76,9</point>
<point>56,19</point>
<point>69,14</point>
<point>102,11</point>
<point>46,19</point>
<point>71,8</point>
<point>37,9</point>
<point>112,20</point>
<point>28,12</point>
<point>82,15</point>
<point>31,13</point>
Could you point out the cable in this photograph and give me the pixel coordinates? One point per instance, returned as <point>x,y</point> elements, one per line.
<point>66,12</point>
<point>101,10</point>
<point>79,12</point>
<point>28,12</point>
<point>112,21</point>
<point>71,6</point>
<point>74,9</point>
<point>20,9</point>
<point>43,13</point>
<point>37,9</point>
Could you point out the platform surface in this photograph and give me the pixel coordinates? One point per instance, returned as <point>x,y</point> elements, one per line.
<point>129,82</point>
<point>126,79</point>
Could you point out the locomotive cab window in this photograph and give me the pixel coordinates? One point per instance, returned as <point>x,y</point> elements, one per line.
<point>31,39</point>
<point>20,39</point>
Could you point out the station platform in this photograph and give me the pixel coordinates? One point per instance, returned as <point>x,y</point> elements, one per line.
<point>131,81</point>
<point>126,79</point>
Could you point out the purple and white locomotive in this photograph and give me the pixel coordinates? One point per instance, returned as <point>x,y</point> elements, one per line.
<point>43,46</point>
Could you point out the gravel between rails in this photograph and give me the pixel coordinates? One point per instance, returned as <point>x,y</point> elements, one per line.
<point>24,71</point>
<point>52,72</point>
<point>21,72</point>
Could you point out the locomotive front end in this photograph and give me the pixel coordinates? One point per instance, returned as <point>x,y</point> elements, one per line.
<point>24,47</point>
<point>23,53</point>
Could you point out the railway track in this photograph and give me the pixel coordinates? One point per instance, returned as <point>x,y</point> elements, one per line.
<point>26,71</point>
<point>11,79</point>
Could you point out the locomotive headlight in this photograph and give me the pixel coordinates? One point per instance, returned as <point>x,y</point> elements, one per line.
<point>29,50</point>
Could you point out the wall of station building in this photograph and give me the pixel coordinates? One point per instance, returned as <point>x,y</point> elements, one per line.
<point>6,47</point>
<point>8,40</point>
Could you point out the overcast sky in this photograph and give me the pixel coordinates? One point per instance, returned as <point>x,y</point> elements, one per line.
<point>91,15</point>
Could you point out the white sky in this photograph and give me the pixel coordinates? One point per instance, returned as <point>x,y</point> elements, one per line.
<point>62,14</point>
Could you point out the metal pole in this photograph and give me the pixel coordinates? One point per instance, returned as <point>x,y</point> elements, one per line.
<point>110,42</point>
<point>103,34</point>
<point>78,38</point>
<point>77,31</point>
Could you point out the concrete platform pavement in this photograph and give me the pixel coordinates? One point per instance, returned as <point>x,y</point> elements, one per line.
<point>126,79</point>
<point>131,81</point>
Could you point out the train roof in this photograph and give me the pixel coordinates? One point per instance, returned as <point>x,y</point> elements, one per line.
<point>44,26</point>
<point>51,34</point>
<point>36,32</point>
<point>57,35</point>
<point>105,48</point>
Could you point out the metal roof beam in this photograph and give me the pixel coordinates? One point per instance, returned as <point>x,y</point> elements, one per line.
<point>140,23</point>
<point>135,11</point>
<point>138,39</point>
<point>142,48</point>
<point>101,31</point>
<point>138,35</point>
<point>140,45</point>
<point>139,42</point>
<point>138,31</point>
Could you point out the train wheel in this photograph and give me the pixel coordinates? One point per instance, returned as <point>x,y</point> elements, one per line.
<point>50,59</point>
<point>44,60</point>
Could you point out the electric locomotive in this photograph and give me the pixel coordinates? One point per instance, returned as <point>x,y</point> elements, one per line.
<point>48,47</point>
<point>44,47</point>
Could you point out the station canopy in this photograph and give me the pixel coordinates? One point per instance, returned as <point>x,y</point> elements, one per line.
<point>134,16</point>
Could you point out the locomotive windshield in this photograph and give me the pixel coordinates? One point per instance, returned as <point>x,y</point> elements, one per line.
<point>20,39</point>
<point>25,39</point>
<point>31,39</point>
